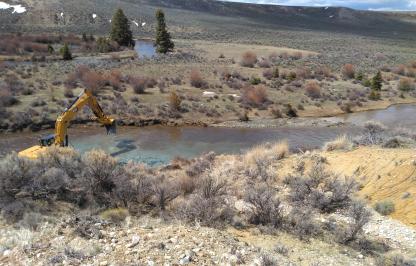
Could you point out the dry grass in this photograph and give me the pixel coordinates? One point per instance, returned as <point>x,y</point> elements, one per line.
<point>116,215</point>
<point>273,152</point>
<point>340,143</point>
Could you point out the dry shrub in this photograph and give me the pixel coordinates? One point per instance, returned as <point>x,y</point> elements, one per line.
<point>313,89</point>
<point>303,73</point>
<point>268,74</point>
<point>100,171</point>
<point>204,211</point>
<point>300,222</point>
<point>248,59</point>
<point>66,159</point>
<point>175,101</point>
<point>323,71</point>
<point>406,84</point>
<point>385,207</point>
<point>265,207</point>
<point>164,191</point>
<point>348,71</point>
<point>322,190</point>
<point>273,57</point>
<point>258,160</point>
<point>360,216</point>
<point>340,143</point>
<point>93,80</point>
<point>399,70</point>
<point>68,93</point>
<point>114,79</point>
<point>134,186</point>
<point>254,96</point>
<point>374,134</point>
<point>80,70</point>
<point>7,99</point>
<point>140,84</point>
<point>264,63</point>
<point>200,165</point>
<point>196,79</point>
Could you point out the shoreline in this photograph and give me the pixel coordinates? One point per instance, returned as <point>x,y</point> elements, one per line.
<point>257,123</point>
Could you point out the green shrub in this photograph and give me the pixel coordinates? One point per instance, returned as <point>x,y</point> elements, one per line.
<point>255,81</point>
<point>385,207</point>
<point>66,53</point>
<point>377,82</point>
<point>116,215</point>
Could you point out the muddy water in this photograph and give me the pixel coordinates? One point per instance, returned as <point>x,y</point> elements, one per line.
<point>158,144</point>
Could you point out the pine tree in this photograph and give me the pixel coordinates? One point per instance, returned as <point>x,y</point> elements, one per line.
<point>66,53</point>
<point>164,43</point>
<point>120,29</point>
<point>377,82</point>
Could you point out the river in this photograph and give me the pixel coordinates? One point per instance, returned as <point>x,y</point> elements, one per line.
<point>156,145</point>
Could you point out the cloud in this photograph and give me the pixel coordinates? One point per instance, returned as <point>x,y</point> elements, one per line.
<point>357,4</point>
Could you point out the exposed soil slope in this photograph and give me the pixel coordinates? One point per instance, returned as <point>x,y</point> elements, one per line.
<point>385,174</point>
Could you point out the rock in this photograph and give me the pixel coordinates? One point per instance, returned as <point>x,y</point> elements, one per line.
<point>134,241</point>
<point>104,263</point>
<point>360,256</point>
<point>7,252</point>
<point>184,260</point>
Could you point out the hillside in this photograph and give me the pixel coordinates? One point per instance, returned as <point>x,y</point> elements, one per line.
<point>201,18</point>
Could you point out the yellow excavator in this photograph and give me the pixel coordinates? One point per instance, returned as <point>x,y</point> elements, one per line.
<point>60,138</point>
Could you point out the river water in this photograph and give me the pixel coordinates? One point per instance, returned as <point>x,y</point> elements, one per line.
<point>145,49</point>
<point>159,144</point>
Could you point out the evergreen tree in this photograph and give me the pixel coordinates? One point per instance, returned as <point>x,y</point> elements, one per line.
<point>84,37</point>
<point>377,82</point>
<point>120,29</point>
<point>164,43</point>
<point>66,53</point>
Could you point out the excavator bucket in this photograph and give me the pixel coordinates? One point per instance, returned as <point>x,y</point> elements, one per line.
<point>111,129</point>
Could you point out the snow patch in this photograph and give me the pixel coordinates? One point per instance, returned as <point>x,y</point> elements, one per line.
<point>94,16</point>
<point>326,7</point>
<point>331,16</point>
<point>62,14</point>
<point>16,8</point>
<point>143,24</point>
<point>135,22</point>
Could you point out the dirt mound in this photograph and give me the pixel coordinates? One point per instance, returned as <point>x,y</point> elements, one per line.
<point>385,174</point>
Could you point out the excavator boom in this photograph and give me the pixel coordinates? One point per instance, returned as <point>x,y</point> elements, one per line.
<point>60,138</point>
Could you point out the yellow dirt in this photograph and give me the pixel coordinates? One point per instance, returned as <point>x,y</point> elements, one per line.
<point>385,174</point>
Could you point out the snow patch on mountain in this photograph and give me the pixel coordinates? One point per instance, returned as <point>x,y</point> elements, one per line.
<point>16,8</point>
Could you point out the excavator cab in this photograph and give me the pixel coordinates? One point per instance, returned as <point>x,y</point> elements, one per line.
<point>47,141</point>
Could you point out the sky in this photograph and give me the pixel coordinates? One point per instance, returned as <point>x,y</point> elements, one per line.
<point>402,5</point>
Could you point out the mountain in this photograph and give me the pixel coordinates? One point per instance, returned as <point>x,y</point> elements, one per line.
<point>201,18</point>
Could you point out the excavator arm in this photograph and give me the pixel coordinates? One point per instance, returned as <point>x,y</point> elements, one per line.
<point>60,138</point>
<point>85,98</point>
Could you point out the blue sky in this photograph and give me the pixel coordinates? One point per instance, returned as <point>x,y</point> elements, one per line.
<point>357,4</point>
